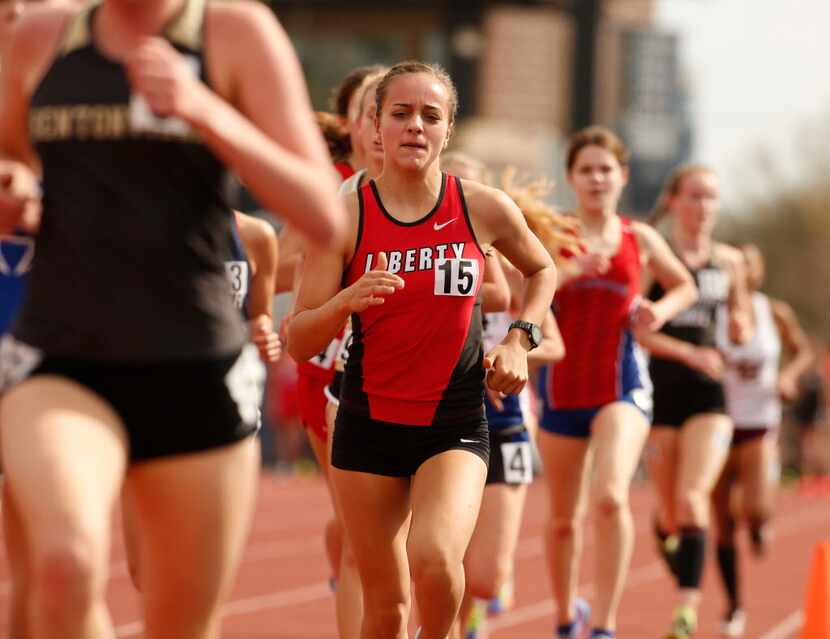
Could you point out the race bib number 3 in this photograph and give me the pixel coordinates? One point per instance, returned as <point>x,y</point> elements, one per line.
<point>237,273</point>
<point>458,278</point>
<point>518,464</point>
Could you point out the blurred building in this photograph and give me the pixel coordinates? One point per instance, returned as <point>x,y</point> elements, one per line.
<point>528,72</point>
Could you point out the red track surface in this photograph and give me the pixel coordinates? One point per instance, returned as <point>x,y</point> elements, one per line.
<point>282,590</point>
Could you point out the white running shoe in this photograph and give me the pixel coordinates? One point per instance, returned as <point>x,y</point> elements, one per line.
<point>734,625</point>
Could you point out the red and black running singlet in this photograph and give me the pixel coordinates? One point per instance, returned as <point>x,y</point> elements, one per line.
<point>593,316</point>
<point>417,358</point>
<point>345,170</point>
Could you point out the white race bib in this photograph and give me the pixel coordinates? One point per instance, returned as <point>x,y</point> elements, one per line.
<point>456,277</point>
<point>17,361</point>
<point>143,119</point>
<point>326,358</point>
<point>518,463</point>
<point>237,272</point>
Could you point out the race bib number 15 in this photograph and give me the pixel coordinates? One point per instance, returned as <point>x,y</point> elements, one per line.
<point>456,277</point>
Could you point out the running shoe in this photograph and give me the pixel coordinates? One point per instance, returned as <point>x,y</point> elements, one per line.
<point>734,624</point>
<point>577,628</point>
<point>667,548</point>
<point>684,624</point>
<point>477,620</point>
<point>504,600</point>
<point>760,539</point>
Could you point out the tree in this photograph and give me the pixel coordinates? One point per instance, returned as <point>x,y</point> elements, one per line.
<point>791,225</point>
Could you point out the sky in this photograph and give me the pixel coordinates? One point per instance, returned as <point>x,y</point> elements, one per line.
<point>757,70</point>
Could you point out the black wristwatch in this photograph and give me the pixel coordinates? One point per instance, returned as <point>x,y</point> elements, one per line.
<point>534,333</point>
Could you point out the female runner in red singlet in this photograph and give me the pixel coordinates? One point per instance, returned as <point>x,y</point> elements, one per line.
<point>410,434</point>
<point>597,398</point>
<point>348,594</point>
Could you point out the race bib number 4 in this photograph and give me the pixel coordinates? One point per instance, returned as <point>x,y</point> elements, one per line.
<point>457,278</point>
<point>518,463</point>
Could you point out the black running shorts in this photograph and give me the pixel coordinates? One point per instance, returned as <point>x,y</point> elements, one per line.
<point>675,404</point>
<point>368,445</point>
<point>169,408</point>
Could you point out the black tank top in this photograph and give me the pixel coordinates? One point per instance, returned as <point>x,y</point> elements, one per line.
<point>695,325</point>
<point>131,251</point>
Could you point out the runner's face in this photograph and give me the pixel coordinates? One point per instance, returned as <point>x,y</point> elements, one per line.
<point>597,179</point>
<point>755,269</point>
<point>696,204</point>
<point>414,123</point>
<point>10,11</point>
<point>352,120</point>
<point>367,131</point>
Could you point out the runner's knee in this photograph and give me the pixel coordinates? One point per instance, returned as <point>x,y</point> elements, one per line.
<point>66,578</point>
<point>693,508</point>
<point>610,503</point>
<point>485,582</point>
<point>434,564</point>
<point>385,610</point>
<point>563,528</point>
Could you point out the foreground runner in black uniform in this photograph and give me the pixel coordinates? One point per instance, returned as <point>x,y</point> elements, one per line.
<point>129,330</point>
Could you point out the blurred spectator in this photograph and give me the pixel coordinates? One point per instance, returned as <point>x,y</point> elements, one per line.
<point>809,416</point>
<point>287,439</point>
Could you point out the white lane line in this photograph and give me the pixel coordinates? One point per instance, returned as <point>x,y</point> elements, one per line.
<point>262,551</point>
<point>645,574</point>
<point>281,599</point>
<point>652,572</point>
<point>320,590</point>
<point>787,628</point>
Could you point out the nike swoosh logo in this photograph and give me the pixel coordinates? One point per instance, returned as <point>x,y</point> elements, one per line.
<point>438,227</point>
<point>467,441</point>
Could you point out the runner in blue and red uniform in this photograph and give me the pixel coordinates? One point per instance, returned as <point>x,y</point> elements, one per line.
<point>489,561</point>
<point>597,397</point>
<point>411,435</point>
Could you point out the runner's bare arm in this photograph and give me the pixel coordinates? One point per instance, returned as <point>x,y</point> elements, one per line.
<point>27,55</point>
<point>552,348</point>
<point>795,341</point>
<point>259,122</point>
<point>322,306</point>
<point>741,317</point>
<point>261,245</point>
<point>495,291</point>
<point>291,259</point>
<point>674,278</point>
<point>498,222</point>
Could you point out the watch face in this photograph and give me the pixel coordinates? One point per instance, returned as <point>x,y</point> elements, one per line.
<point>536,334</point>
